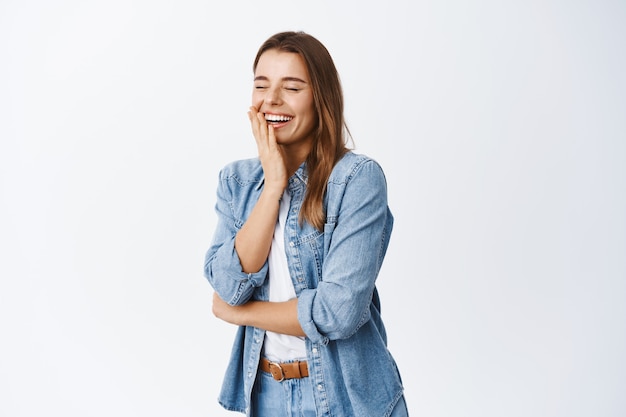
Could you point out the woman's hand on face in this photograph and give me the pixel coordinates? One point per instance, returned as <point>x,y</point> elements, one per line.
<point>270,152</point>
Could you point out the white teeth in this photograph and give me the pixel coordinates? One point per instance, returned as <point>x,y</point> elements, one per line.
<point>277,118</point>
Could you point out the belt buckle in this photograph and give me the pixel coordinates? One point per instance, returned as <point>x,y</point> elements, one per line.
<point>282,373</point>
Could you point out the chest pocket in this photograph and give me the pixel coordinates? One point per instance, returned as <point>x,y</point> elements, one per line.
<point>306,257</point>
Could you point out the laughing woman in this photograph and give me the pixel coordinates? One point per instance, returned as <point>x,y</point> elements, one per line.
<point>301,236</point>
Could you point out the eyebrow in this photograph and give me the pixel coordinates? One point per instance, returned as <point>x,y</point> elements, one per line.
<point>296,79</point>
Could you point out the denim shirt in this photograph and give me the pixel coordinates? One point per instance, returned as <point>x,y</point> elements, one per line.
<point>333,273</point>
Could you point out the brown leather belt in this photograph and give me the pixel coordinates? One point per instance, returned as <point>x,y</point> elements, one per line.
<point>288,370</point>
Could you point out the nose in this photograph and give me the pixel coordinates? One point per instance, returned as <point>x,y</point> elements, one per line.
<point>272,97</point>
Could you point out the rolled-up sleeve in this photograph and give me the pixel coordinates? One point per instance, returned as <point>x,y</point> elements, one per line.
<point>222,266</point>
<point>358,237</point>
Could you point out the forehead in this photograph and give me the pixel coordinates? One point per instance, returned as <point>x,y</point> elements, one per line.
<point>275,64</point>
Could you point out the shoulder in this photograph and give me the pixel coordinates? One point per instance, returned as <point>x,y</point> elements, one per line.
<point>243,171</point>
<point>352,164</point>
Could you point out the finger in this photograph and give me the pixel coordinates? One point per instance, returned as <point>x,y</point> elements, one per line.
<point>263,128</point>
<point>254,123</point>
<point>271,137</point>
<point>252,111</point>
<point>256,129</point>
<point>262,122</point>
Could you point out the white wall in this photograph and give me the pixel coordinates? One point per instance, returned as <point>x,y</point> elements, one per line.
<point>502,132</point>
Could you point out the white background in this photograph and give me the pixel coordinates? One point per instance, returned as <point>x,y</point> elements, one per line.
<point>501,127</point>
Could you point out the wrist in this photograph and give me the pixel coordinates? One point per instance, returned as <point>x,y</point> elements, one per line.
<point>272,193</point>
<point>242,314</point>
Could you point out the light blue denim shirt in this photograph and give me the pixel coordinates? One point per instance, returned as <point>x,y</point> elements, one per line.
<point>333,273</point>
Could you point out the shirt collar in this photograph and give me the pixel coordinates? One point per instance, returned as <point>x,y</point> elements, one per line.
<point>301,174</point>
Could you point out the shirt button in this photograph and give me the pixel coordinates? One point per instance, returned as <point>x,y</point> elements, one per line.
<point>291,244</point>
<point>314,350</point>
<point>320,387</point>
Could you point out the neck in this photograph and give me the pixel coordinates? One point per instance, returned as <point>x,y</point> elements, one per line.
<point>292,166</point>
<point>294,158</point>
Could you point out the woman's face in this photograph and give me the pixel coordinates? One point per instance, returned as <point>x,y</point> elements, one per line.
<point>282,91</point>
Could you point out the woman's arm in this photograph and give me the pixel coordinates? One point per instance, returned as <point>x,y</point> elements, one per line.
<point>360,223</point>
<point>254,239</point>
<point>278,317</point>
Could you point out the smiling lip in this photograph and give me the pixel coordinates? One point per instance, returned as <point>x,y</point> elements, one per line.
<point>277,120</point>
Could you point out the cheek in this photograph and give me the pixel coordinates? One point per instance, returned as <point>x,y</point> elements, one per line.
<point>310,106</point>
<point>257,99</point>
<point>304,107</point>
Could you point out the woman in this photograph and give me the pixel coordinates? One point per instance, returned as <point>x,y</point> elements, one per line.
<point>302,232</point>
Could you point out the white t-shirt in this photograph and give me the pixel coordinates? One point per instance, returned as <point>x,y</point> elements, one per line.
<point>281,347</point>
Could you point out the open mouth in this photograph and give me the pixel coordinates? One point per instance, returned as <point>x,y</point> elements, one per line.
<point>277,118</point>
